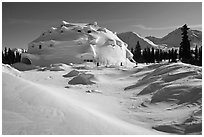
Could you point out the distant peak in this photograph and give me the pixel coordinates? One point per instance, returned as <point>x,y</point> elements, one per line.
<point>132,32</point>
<point>64,22</point>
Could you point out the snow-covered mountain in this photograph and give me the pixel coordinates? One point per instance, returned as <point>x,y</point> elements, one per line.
<point>77,43</point>
<point>131,39</point>
<point>173,39</point>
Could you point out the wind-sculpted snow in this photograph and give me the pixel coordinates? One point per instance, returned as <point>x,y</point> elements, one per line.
<point>174,82</point>
<point>158,99</point>
<point>78,43</point>
<point>83,79</point>
<point>177,86</point>
<point>31,107</point>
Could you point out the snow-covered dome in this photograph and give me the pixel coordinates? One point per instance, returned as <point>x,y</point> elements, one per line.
<point>76,43</point>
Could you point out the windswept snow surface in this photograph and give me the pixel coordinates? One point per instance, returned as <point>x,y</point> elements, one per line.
<point>149,99</point>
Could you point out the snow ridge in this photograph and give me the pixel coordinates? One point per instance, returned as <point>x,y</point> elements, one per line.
<point>131,39</point>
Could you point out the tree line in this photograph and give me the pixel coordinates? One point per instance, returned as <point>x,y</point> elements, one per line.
<point>184,53</point>
<point>148,55</point>
<point>10,57</point>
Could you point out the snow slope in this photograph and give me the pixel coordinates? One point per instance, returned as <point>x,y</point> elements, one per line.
<point>149,99</point>
<point>173,39</point>
<point>131,39</point>
<point>171,95</point>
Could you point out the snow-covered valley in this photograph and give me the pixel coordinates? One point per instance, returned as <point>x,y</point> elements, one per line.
<point>85,99</point>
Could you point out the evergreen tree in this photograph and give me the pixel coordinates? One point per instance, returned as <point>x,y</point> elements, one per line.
<point>6,55</point>
<point>5,50</point>
<point>169,55</point>
<point>200,56</point>
<point>164,55</point>
<point>184,51</point>
<point>137,52</point>
<point>161,55</point>
<point>196,53</point>
<point>148,55</point>
<point>9,56</point>
<point>173,55</point>
<point>144,54</point>
<point>3,57</point>
<point>13,56</point>
<point>157,56</point>
<point>152,56</point>
<point>18,57</point>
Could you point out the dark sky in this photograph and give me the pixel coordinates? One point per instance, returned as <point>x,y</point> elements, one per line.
<point>23,22</point>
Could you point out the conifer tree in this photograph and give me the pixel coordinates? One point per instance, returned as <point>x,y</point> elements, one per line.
<point>137,52</point>
<point>200,56</point>
<point>18,57</point>
<point>161,55</point>
<point>6,55</point>
<point>157,58</point>
<point>184,51</point>
<point>169,55</point>
<point>144,54</point>
<point>173,55</point>
<point>9,56</point>
<point>3,57</point>
<point>152,56</point>
<point>196,53</point>
<point>148,55</point>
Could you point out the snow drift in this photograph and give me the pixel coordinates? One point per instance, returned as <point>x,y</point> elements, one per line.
<point>83,79</point>
<point>32,108</point>
<point>179,86</point>
<point>158,99</point>
<point>71,73</point>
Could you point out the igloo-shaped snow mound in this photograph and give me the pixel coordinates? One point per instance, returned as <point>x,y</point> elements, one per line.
<point>78,43</point>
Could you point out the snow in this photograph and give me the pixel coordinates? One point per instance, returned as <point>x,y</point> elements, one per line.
<point>173,39</point>
<point>8,69</point>
<point>23,67</point>
<point>148,99</point>
<point>75,43</point>
<point>83,79</point>
<point>131,39</point>
<point>71,74</point>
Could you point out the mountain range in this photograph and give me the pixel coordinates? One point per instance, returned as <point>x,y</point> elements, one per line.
<point>131,39</point>
<point>173,39</point>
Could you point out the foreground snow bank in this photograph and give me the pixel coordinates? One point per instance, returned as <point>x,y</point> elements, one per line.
<point>32,108</point>
<point>179,83</point>
<point>8,69</point>
<point>158,99</point>
<point>180,86</point>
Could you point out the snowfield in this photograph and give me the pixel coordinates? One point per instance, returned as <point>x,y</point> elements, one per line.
<point>84,99</point>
